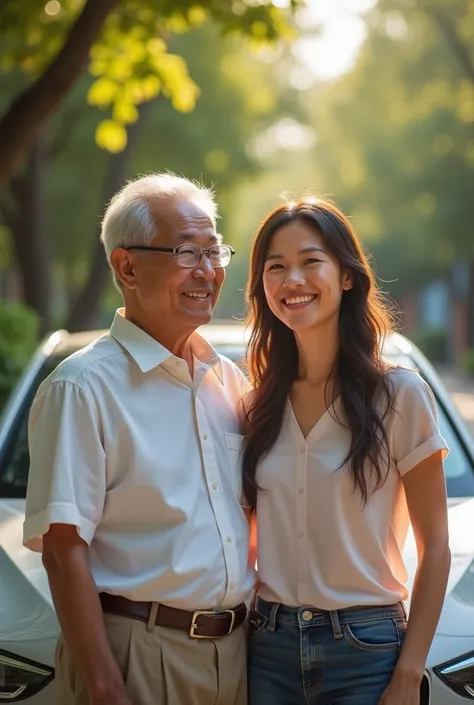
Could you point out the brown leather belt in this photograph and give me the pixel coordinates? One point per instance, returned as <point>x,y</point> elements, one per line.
<point>200,624</point>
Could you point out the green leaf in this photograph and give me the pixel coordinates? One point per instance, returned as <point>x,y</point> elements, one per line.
<point>125,112</point>
<point>196,15</point>
<point>102,92</point>
<point>148,88</point>
<point>111,135</point>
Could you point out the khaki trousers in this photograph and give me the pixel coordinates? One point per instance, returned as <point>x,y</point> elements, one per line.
<point>164,666</point>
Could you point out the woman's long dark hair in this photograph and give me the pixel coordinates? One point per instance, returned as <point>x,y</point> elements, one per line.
<point>359,371</point>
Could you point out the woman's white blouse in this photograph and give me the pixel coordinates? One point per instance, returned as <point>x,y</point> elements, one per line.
<point>318,544</point>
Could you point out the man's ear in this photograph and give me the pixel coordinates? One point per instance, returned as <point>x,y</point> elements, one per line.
<point>347,280</point>
<point>122,265</point>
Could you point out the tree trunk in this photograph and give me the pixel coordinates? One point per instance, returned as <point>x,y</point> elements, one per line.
<point>31,244</point>
<point>83,312</point>
<point>30,110</point>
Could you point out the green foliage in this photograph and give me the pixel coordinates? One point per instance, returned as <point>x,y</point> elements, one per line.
<point>395,142</point>
<point>394,148</point>
<point>153,58</point>
<point>433,342</point>
<point>130,63</point>
<point>240,96</point>
<point>467,362</point>
<point>18,339</point>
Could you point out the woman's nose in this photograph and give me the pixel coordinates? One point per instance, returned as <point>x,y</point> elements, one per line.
<point>294,277</point>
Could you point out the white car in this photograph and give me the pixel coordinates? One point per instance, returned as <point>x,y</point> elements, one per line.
<point>28,624</point>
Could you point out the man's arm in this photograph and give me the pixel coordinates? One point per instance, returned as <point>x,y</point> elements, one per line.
<point>64,505</point>
<point>80,614</point>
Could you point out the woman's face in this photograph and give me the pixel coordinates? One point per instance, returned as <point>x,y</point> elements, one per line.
<point>303,283</point>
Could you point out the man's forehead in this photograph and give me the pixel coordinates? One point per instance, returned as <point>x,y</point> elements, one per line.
<point>175,209</point>
<point>182,219</point>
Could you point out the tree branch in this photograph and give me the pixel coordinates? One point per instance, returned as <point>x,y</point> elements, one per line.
<point>447,29</point>
<point>29,111</point>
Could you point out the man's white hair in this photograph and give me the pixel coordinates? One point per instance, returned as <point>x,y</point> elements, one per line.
<point>128,220</point>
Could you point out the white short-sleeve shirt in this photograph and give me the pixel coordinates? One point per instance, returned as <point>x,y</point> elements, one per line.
<point>318,545</point>
<point>141,458</point>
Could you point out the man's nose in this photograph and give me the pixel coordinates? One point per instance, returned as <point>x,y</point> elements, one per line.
<point>204,269</point>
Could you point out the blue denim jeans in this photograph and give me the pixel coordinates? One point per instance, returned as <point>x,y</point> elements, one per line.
<point>301,656</point>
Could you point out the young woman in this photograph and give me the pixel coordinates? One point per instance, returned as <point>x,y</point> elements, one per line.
<point>342,452</point>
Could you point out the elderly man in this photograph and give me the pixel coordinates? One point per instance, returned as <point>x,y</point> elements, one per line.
<point>134,486</point>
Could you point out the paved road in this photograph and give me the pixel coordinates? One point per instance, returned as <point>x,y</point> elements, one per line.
<point>461,389</point>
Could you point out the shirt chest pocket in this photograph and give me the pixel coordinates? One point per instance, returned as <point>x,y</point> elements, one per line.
<point>234,444</point>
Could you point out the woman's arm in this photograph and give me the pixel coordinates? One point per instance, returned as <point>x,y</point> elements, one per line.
<point>425,489</point>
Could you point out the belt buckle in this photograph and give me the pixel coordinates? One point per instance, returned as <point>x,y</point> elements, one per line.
<point>194,626</point>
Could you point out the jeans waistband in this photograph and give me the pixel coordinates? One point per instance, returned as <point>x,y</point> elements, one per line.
<point>310,617</point>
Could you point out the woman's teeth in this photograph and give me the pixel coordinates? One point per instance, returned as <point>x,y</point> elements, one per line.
<point>300,299</point>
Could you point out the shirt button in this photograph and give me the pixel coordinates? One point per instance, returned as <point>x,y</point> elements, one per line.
<point>303,449</point>
<point>205,436</point>
<point>232,586</point>
<point>301,490</point>
<point>178,363</point>
<point>301,534</point>
<point>214,485</point>
<point>229,539</point>
<point>307,615</point>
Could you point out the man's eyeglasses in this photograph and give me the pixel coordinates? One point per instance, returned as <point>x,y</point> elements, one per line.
<point>191,255</point>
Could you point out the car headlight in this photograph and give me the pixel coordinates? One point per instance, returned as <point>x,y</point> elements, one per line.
<point>459,675</point>
<point>21,678</point>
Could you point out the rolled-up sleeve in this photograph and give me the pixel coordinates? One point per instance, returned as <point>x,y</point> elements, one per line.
<point>416,434</point>
<point>67,478</point>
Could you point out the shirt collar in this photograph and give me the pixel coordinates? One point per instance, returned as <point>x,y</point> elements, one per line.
<point>149,353</point>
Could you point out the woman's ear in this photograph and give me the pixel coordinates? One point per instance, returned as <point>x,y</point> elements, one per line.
<point>347,281</point>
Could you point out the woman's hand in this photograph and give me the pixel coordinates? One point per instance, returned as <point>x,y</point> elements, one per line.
<point>400,696</point>
<point>402,690</point>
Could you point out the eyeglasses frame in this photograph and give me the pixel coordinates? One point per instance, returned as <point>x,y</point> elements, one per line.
<point>175,250</point>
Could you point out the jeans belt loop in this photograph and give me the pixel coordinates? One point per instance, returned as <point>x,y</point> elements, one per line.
<point>273,613</point>
<point>335,624</point>
<point>152,617</point>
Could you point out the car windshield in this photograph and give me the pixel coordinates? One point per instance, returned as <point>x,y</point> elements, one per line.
<point>14,456</point>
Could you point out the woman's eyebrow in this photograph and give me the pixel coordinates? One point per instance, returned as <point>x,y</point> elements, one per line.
<point>311,248</point>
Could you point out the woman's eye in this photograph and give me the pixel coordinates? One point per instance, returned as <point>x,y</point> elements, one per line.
<point>274,266</point>
<point>312,260</point>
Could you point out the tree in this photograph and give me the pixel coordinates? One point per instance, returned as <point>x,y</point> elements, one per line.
<point>240,96</point>
<point>395,143</point>
<point>126,43</point>
<point>131,65</point>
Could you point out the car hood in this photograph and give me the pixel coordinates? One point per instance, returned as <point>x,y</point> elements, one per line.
<point>26,609</point>
<point>457,617</point>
